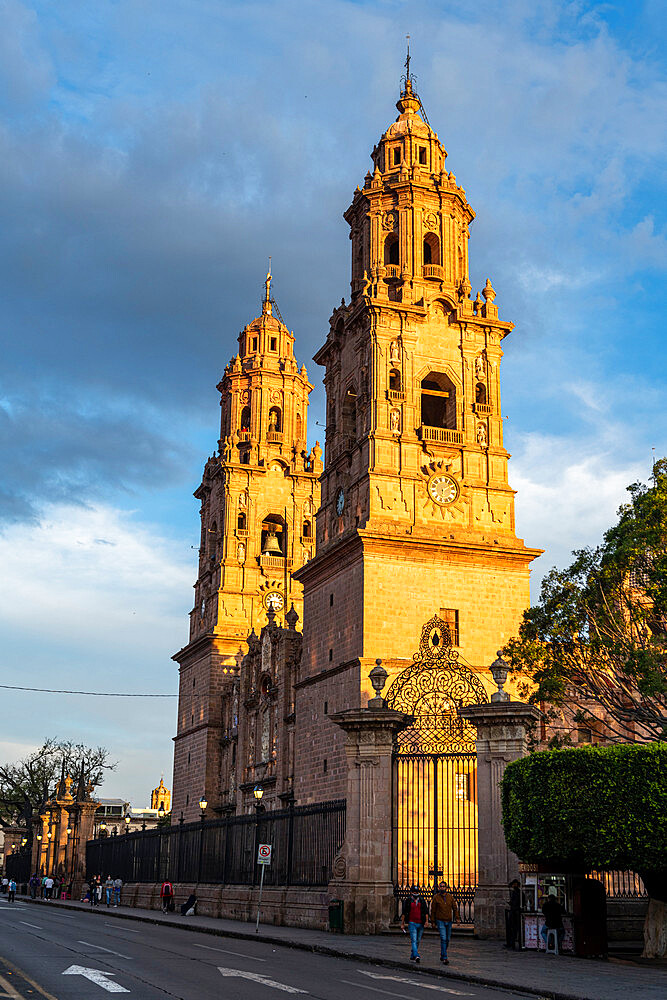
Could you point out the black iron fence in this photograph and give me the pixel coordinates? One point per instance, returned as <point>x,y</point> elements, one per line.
<point>17,866</point>
<point>621,884</point>
<point>305,841</point>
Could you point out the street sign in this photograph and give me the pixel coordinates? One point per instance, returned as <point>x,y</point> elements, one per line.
<point>264,854</point>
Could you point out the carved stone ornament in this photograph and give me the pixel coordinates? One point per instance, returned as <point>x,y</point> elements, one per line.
<point>389,221</point>
<point>245,396</point>
<point>240,552</point>
<point>430,220</point>
<point>481,435</point>
<point>339,867</point>
<point>367,762</point>
<point>480,367</point>
<point>243,500</point>
<point>395,421</point>
<point>395,352</point>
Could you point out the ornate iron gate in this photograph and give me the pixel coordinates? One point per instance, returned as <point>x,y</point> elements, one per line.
<point>435,772</point>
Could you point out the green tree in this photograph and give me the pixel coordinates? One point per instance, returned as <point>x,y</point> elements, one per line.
<point>619,823</point>
<point>27,783</point>
<point>595,646</point>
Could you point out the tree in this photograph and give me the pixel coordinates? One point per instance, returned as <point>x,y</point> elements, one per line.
<point>620,823</point>
<point>29,782</point>
<point>594,648</point>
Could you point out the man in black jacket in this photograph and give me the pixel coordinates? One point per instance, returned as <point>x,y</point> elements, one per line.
<point>415,911</point>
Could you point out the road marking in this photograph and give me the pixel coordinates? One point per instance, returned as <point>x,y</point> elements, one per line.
<point>225,951</point>
<point>36,926</point>
<point>24,975</point>
<point>414,982</point>
<point>98,977</point>
<point>9,989</point>
<point>99,946</point>
<point>261,979</point>
<point>127,930</point>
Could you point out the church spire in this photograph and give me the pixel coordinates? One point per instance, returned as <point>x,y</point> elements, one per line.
<point>266,304</point>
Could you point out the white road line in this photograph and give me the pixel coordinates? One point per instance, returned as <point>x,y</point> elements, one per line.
<point>225,951</point>
<point>36,926</point>
<point>255,978</point>
<point>127,930</point>
<point>99,946</point>
<point>9,989</point>
<point>414,982</point>
<point>374,989</point>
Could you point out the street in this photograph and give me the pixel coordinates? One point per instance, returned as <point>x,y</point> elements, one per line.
<point>55,954</point>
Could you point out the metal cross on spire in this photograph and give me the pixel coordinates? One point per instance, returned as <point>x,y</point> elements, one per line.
<point>407,60</point>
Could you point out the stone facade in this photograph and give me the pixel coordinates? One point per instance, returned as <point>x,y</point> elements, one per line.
<point>258,496</point>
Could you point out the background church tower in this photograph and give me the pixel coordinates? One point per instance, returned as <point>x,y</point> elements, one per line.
<point>259,494</point>
<point>417,516</point>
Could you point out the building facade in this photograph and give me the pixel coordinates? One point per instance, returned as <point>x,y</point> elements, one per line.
<point>258,495</point>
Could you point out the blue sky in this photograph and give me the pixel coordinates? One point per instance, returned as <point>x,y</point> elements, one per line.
<point>153,155</point>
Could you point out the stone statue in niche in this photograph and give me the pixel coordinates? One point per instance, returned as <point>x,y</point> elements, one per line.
<point>480,367</point>
<point>481,435</point>
<point>243,500</point>
<point>395,421</point>
<point>240,552</point>
<point>395,352</point>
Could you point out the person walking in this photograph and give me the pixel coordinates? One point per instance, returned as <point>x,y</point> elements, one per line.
<point>48,887</point>
<point>34,884</point>
<point>513,917</point>
<point>11,891</point>
<point>167,896</point>
<point>108,889</point>
<point>415,912</point>
<point>93,891</point>
<point>444,910</point>
<point>117,888</point>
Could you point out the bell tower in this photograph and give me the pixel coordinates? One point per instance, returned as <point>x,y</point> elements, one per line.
<point>258,498</point>
<point>417,514</point>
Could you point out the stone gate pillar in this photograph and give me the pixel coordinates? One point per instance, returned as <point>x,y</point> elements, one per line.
<point>362,870</point>
<point>502,729</point>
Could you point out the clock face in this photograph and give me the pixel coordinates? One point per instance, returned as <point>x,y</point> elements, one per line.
<point>340,502</point>
<point>274,599</point>
<point>443,488</point>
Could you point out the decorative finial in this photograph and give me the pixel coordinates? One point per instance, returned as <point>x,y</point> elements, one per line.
<point>407,62</point>
<point>499,671</point>
<point>378,678</point>
<point>266,305</point>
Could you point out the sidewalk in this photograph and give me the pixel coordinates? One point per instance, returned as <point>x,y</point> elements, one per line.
<point>484,962</point>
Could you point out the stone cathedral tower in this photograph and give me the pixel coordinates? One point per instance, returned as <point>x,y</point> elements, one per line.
<point>417,515</point>
<point>259,494</point>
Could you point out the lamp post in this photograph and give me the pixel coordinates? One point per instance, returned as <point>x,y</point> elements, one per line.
<point>126,820</point>
<point>160,812</point>
<point>258,792</point>
<point>202,805</point>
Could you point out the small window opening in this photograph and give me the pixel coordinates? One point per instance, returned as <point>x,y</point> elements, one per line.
<point>193,682</point>
<point>326,707</point>
<point>330,655</point>
<point>233,754</point>
<point>422,155</point>
<point>245,458</point>
<point>395,380</point>
<point>450,617</point>
<point>266,685</point>
<point>187,800</point>
<point>274,344</point>
<point>396,156</point>
<point>480,393</point>
<point>273,536</point>
<point>331,600</point>
<point>306,529</point>
<point>438,401</point>
<point>188,756</point>
<point>254,343</point>
<point>391,249</point>
<point>325,765</point>
<point>241,522</point>
<point>245,418</point>
<point>431,249</point>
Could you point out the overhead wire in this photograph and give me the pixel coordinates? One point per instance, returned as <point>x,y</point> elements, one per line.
<point>94,694</point>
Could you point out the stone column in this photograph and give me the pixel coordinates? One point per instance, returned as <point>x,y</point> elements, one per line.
<point>501,738</point>
<point>362,870</point>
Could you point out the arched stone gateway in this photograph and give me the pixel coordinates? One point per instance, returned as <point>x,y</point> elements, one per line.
<point>435,773</point>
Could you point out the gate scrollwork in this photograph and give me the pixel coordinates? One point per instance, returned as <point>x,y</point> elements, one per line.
<point>431,690</point>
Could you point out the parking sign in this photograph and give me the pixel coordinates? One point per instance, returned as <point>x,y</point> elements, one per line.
<point>264,854</point>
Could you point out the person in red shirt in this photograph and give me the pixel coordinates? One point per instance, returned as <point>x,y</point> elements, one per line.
<point>166,895</point>
<point>415,911</point>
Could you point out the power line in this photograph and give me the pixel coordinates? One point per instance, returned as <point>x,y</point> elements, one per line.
<point>94,694</point>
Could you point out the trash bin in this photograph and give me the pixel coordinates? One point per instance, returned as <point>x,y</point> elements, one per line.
<point>336,915</point>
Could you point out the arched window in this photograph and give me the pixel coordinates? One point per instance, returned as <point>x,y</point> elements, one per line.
<point>241,522</point>
<point>273,539</point>
<point>438,401</point>
<point>395,380</point>
<point>350,412</point>
<point>306,529</point>
<point>391,249</point>
<point>480,393</point>
<point>275,420</point>
<point>245,418</point>
<point>431,249</point>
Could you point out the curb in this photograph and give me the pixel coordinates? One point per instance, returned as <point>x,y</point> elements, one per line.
<point>318,949</point>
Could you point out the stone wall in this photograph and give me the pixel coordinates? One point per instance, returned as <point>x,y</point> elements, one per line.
<point>281,906</point>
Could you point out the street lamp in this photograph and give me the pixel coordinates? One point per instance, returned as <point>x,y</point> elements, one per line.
<point>24,841</point>
<point>39,836</point>
<point>160,812</point>
<point>103,827</point>
<point>49,835</point>
<point>127,822</point>
<point>258,791</point>
<point>69,829</point>
<point>202,805</point>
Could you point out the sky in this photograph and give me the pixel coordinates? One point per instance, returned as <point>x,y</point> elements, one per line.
<point>152,157</point>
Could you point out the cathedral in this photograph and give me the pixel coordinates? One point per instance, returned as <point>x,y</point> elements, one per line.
<point>401,547</point>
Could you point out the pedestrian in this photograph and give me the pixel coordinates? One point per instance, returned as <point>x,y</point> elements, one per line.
<point>108,889</point>
<point>117,888</point>
<point>553,917</point>
<point>11,891</point>
<point>513,916</point>
<point>98,890</point>
<point>444,910</point>
<point>34,883</point>
<point>167,896</point>
<point>42,888</point>
<point>48,887</point>
<point>5,884</point>
<point>415,911</point>
<point>93,891</point>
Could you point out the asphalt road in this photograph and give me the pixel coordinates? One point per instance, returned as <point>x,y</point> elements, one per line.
<point>53,954</point>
